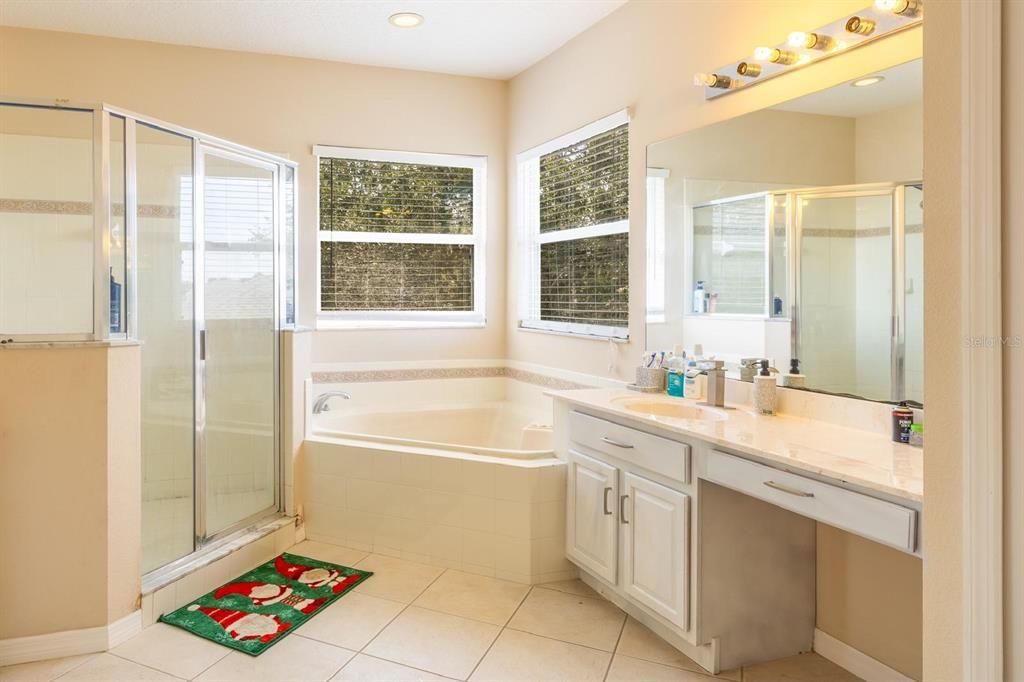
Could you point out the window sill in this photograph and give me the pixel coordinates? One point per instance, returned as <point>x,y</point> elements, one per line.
<point>379,325</point>
<point>574,335</point>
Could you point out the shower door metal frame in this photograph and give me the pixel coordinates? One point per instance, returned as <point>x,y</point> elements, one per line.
<point>200,150</point>
<point>897,233</point>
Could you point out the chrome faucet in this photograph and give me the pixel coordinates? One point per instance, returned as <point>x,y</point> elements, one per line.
<point>321,402</point>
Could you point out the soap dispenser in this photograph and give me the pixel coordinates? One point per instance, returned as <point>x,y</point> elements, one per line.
<point>794,379</point>
<point>764,391</point>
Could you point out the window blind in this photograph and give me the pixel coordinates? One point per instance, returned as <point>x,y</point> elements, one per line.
<point>586,183</point>
<point>730,253</point>
<point>574,195</point>
<point>399,238</point>
<point>373,196</point>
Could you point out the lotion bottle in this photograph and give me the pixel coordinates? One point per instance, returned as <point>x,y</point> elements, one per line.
<point>764,391</point>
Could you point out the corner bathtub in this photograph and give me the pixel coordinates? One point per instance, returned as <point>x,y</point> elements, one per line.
<point>452,472</point>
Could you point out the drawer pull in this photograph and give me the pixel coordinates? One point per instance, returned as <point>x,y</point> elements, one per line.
<point>622,509</point>
<point>607,511</point>
<point>616,443</point>
<point>786,489</point>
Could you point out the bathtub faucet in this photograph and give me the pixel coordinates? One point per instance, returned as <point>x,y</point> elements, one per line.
<point>321,403</point>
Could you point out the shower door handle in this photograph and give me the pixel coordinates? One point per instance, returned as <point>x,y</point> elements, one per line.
<point>202,344</point>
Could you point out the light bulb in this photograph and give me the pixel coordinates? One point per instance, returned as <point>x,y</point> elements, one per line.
<point>713,80</point>
<point>748,69</point>
<point>862,26</point>
<point>901,7</point>
<point>774,55</point>
<point>809,41</point>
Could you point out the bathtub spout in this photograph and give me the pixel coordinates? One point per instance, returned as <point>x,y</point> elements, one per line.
<point>321,402</point>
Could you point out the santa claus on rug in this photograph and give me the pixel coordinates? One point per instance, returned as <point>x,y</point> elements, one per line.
<point>268,594</point>
<point>315,578</point>
<point>242,625</point>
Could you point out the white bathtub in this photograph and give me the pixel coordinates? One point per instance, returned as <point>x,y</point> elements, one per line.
<point>495,429</point>
<point>452,472</point>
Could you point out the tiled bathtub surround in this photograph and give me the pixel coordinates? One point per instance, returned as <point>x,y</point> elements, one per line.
<point>501,519</point>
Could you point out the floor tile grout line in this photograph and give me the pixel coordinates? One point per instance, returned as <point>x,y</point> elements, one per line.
<point>500,631</point>
<point>397,615</point>
<point>563,641</point>
<point>406,665</point>
<point>615,649</point>
<point>86,658</point>
<point>165,672</point>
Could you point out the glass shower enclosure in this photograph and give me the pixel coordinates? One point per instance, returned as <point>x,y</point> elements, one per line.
<point>116,227</point>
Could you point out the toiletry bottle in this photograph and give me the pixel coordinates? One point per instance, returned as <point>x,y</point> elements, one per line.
<point>695,382</point>
<point>917,435</point>
<point>764,390</point>
<point>902,418</point>
<point>698,297</point>
<point>794,379</point>
<point>676,373</point>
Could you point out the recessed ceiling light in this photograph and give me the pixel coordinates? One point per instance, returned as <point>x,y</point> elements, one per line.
<point>870,80</point>
<point>406,19</point>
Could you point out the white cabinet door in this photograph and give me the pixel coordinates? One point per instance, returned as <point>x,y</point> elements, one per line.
<point>591,515</point>
<point>655,524</point>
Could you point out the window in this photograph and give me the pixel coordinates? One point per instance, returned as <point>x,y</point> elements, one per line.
<point>574,227</point>
<point>401,238</point>
<point>730,261</point>
<point>656,246</point>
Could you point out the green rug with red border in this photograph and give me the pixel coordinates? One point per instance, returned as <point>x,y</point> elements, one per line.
<point>258,609</point>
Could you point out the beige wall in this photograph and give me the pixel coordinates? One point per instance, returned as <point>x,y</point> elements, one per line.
<point>643,56</point>
<point>69,488</point>
<point>285,105</point>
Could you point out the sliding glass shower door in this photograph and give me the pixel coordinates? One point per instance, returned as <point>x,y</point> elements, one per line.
<point>238,342</point>
<point>206,245</point>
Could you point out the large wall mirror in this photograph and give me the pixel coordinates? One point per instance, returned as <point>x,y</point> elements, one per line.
<point>797,232</point>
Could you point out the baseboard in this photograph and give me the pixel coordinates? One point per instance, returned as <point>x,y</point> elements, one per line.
<point>857,662</point>
<point>69,642</point>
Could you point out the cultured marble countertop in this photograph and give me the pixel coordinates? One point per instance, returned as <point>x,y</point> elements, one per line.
<point>862,458</point>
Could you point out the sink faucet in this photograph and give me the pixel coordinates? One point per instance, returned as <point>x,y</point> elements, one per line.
<point>715,371</point>
<point>321,402</point>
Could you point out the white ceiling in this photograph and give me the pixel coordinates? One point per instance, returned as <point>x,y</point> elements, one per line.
<point>489,38</point>
<point>903,84</point>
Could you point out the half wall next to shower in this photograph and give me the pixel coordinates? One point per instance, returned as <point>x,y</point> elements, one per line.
<point>116,227</point>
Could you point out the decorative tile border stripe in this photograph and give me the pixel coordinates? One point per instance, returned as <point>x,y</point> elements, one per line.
<point>48,207</point>
<point>378,375</point>
<point>45,206</point>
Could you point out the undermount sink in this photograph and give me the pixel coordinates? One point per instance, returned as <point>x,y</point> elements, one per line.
<point>663,408</point>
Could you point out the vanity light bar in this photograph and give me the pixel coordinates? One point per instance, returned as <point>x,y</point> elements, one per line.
<point>883,18</point>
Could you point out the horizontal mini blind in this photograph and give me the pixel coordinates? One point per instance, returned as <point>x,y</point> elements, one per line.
<point>362,276</point>
<point>574,198</point>
<point>586,183</point>
<point>374,196</point>
<point>399,239</point>
<point>729,242</point>
<point>585,281</point>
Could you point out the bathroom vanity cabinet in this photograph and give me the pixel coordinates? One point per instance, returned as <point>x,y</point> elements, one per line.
<point>711,547</point>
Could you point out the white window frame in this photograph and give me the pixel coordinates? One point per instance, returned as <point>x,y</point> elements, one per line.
<point>403,319</point>
<point>656,247</point>
<point>531,238</point>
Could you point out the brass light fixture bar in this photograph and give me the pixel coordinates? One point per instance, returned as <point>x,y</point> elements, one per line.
<point>880,20</point>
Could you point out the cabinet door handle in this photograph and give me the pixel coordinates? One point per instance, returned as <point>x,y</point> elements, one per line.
<point>607,511</point>
<point>616,443</point>
<point>622,509</point>
<point>786,489</point>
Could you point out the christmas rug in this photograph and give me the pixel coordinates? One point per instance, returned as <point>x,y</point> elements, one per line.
<point>257,609</point>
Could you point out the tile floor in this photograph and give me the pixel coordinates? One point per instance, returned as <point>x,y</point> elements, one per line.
<point>417,622</point>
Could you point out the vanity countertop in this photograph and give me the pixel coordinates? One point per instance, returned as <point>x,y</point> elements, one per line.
<point>863,458</point>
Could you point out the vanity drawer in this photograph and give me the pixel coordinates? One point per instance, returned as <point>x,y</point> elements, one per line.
<point>654,453</point>
<point>870,517</point>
